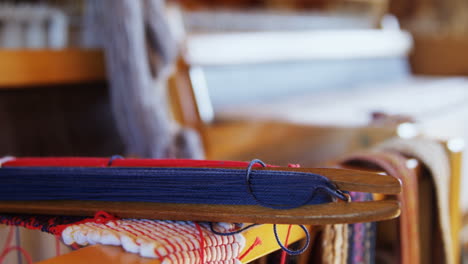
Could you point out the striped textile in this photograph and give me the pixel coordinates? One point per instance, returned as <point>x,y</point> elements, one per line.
<point>169,241</point>
<point>361,236</point>
<point>350,244</point>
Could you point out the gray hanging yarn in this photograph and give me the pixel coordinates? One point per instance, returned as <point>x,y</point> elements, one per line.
<point>139,53</point>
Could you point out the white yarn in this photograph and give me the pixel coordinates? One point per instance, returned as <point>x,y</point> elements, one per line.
<point>5,160</point>
<point>172,240</point>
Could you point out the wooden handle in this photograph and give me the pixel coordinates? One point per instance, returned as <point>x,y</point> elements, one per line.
<point>353,180</point>
<point>330,213</point>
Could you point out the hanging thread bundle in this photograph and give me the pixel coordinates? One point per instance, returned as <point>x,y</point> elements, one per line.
<point>169,185</point>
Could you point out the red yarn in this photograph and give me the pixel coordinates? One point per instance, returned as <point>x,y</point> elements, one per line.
<point>57,245</point>
<point>9,238</point>
<point>75,246</point>
<point>7,248</point>
<point>103,162</point>
<point>202,243</point>
<point>284,254</point>
<point>100,217</point>
<point>13,248</point>
<point>256,243</point>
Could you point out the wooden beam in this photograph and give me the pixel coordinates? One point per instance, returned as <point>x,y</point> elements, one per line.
<point>23,68</point>
<point>321,214</point>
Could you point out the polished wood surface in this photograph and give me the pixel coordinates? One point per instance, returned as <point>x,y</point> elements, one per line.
<point>20,68</point>
<point>331,213</point>
<point>353,180</point>
<point>456,162</point>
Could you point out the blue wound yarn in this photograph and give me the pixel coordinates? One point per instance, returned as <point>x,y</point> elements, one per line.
<point>271,188</point>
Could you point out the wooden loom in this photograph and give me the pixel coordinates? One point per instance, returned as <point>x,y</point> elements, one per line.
<point>320,215</point>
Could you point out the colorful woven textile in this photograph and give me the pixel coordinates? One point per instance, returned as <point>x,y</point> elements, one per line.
<point>361,236</point>
<point>169,241</point>
<point>350,244</point>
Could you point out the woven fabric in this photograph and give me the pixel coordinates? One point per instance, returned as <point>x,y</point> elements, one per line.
<point>169,241</point>
<point>350,244</point>
<point>361,236</point>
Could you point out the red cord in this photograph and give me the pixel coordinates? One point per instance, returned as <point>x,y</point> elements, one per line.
<point>75,246</point>
<point>284,254</point>
<point>202,243</point>
<point>257,242</point>
<point>9,238</point>
<point>12,248</point>
<point>103,162</point>
<point>102,217</point>
<point>57,245</point>
<point>7,248</point>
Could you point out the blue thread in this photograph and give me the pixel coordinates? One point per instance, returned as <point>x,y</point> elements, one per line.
<point>18,244</point>
<point>168,185</point>
<point>334,192</point>
<point>343,195</point>
<point>292,252</point>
